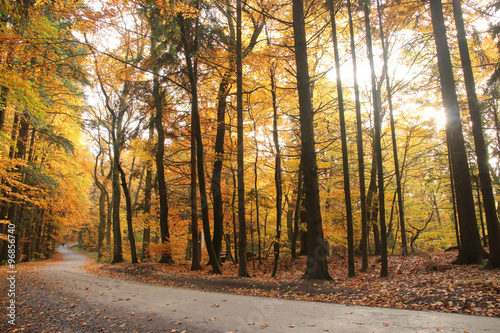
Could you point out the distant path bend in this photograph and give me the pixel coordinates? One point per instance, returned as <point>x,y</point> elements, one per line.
<point>63,298</point>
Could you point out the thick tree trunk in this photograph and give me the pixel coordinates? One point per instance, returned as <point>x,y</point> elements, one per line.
<point>480,144</point>
<point>317,266</point>
<point>471,248</point>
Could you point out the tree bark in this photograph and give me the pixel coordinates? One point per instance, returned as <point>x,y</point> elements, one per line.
<point>471,248</point>
<point>345,158</point>
<point>195,241</point>
<point>277,172</point>
<point>377,145</point>
<point>296,216</point>
<point>4,92</point>
<point>128,203</point>
<point>148,186</point>
<point>359,143</point>
<point>166,256</point>
<point>217,167</point>
<point>480,144</point>
<point>397,172</point>
<point>243,269</point>
<point>196,128</point>
<point>317,266</point>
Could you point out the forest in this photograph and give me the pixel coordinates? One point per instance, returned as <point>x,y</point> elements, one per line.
<point>241,131</point>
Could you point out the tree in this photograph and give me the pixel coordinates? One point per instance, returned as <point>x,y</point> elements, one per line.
<point>277,170</point>
<point>399,190</point>
<point>471,248</point>
<point>148,186</point>
<point>377,145</point>
<point>317,266</point>
<point>359,144</point>
<point>222,95</point>
<point>243,270</point>
<point>345,157</point>
<point>477,131</point>
<point>195,252</point>
<point>189,49</point>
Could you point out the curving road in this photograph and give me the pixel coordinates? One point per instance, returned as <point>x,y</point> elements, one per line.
<point>60,297</point>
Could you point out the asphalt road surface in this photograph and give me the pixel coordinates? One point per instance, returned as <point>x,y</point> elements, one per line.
<point>62,298</point>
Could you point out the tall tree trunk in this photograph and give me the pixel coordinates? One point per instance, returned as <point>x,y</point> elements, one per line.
<point>128,204</point>
<point>480,207</point>
<point>471,248</point>
<point>166,256</point>
<point>480,144</point>
<point>399,190</point>
<point>345,157</point>
<point>377,145</point>
<point>117,235</point>
<point>13,134</point>
<point>243,269</point>
<point>359,142</point>
<point>117,140</point>
<point>4,92</point>
<point>277,171</point>
<point>148,186</point>
<point>233,197</point>
<point>195,241</point>
<point>317,266</point>
<point>453,200</point>
<point>102,225</point>
<point>196,127</point>
<point>102,210</point>
<point>296,216</point>
<point>217,167</point>
<point>256,189</point>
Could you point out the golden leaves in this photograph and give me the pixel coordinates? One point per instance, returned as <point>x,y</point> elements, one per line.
<point>186,11</point>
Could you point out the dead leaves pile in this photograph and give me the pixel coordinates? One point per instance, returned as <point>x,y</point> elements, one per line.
<point>420,282</point>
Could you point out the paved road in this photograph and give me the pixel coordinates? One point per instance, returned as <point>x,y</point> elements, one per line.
<point>103,304</point>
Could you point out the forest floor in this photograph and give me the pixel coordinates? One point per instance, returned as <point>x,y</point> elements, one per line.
<point>419,282</point>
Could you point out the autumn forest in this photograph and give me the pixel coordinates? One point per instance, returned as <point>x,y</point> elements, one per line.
<point>237,131</point>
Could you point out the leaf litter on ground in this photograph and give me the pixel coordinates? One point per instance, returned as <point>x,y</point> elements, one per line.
<point>426,281</point>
